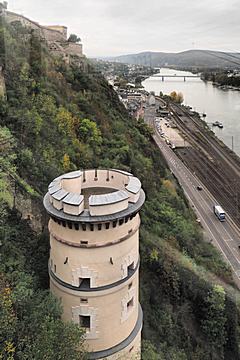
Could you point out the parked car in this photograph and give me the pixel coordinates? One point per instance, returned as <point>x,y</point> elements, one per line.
<point>199,188</point>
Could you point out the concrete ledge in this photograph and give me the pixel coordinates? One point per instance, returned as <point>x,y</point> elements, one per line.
<point>88,289</point>
<point>69,187</point>
<point>108,352</point>
<point>85,216</point>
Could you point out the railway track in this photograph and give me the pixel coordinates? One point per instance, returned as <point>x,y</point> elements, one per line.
<point>212,144</point>
<point>222,187</point>
<point>218,170</point>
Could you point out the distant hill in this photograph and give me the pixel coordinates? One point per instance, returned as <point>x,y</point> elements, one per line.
<point>190,58</point>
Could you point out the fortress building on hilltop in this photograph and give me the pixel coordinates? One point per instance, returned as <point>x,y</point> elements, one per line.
<point>55,37</point>
<point>94,257</point>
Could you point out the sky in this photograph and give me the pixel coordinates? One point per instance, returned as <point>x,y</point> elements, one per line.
<point>116,27</point>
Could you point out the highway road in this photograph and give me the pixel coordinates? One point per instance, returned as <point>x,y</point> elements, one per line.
<point>224,235</point>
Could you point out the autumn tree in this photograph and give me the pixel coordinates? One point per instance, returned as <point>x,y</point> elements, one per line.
<point>176,97</point>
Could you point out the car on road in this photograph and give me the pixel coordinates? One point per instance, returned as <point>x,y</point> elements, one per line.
<point>199,188</point>
<point>198,221</point>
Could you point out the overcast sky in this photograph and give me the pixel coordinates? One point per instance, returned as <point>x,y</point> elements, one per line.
<point>114,27</point>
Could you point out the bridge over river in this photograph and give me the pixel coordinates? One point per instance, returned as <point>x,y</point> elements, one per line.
<point>163,76</point>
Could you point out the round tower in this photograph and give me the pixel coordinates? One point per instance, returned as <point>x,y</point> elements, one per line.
<point>94,257</point>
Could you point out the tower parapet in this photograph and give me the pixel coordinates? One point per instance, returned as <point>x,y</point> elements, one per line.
<point>94,258</point>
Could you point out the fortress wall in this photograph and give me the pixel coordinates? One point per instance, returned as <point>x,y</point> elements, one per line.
<point>51,33</point>
<point>74,49</point>
<point>56,37</point>
<point>59,28</point>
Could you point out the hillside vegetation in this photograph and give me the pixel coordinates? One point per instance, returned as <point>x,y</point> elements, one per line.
<point>55,119</point>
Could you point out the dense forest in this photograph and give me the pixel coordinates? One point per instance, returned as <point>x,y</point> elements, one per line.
<point>56,118</point>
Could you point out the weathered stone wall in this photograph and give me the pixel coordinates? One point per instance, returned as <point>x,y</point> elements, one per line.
<point>61,29</point>
<point>48,33</point>
<point>73,49</point>
<point>52,35</point>
<point>11,17</point>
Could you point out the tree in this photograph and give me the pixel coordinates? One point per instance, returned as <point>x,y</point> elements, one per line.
<point>66,162</point>
<point>179,99</point>
<point>73,38</point>
<point>89,133</point>
<point>176,97</point>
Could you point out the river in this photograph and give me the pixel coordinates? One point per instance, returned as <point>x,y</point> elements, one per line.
<point>219,105</point>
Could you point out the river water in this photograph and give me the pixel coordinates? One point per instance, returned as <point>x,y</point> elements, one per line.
<point>219,105</point>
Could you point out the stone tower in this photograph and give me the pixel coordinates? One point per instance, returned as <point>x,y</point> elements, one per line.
<point>94,257</point>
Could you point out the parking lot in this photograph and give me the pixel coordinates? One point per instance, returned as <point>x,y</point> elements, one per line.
<point>166,129</point>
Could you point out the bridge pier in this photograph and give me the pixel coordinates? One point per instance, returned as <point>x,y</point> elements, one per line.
<point>162,78</point>
<point>184,78</point>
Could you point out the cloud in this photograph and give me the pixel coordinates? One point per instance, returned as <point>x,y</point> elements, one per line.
<point>112,27</point>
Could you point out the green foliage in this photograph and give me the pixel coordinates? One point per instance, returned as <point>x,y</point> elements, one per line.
<point>214,321</point>
<point>74,38</point>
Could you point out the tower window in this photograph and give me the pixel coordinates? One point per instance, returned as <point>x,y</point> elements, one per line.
<point>55,268</point>
<point>76,226</point>
<point>130,268</point>
<point>84,300</point>
<point>130,304</point>
<point>84,321</point>
<point>84,283</point>
<point>129,286</point>
<point>107,225</point>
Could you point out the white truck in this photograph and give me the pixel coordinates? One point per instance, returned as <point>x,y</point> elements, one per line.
<point>219,212</point>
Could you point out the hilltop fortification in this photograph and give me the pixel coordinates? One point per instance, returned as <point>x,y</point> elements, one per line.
<point>54,35</point>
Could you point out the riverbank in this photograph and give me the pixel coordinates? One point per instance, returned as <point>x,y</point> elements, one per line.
<point>217,166</point>
<point>218,104</point>
<point>225,87</point>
